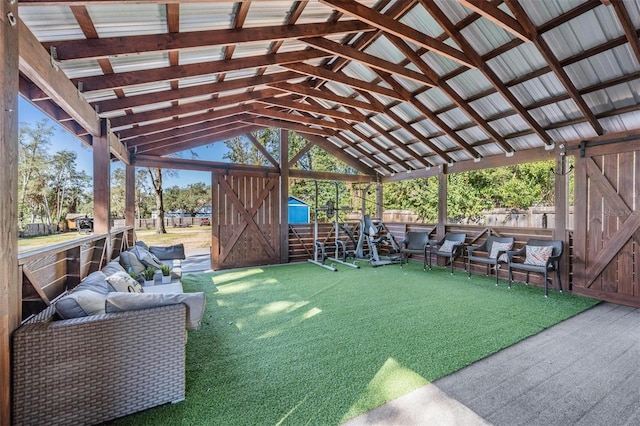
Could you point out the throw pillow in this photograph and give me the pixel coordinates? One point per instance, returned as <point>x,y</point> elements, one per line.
<point>122,282</point>
<point>538,255</point>
<point>81,303</point>
<point>145,257</point>
<point>113,267</point>
<point>142,244</point>
<point>496,247</point>
<point>129,261</point>
<point>95,281</point>
<point>169,252</point>
<point>447,246</point>
<point>195,302</point>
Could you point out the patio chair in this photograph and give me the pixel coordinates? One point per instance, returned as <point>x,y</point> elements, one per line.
<point>451,246</point>
<point>495,249</point>
<point>415,242</point>
<point>541,257</point>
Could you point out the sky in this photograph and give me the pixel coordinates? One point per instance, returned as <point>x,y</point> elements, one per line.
<point>62,139</point>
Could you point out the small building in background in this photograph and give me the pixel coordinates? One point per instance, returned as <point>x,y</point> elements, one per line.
<point>298,211</point>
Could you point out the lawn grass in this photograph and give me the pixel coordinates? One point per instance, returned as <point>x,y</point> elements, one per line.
<point>192,237</point>
<point>297,344</point>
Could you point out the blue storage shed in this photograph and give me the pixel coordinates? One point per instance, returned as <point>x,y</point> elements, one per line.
<point>298,210</point>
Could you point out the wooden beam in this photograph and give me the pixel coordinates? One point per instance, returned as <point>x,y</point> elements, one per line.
<point>340,154</point>
<point>264,151</point>
<point>314,109</point>
<point>192,91</point>
<point>37,66</point>
<point>199,165</point>
<point>185,133</point>
<point>10,280</point>
<point>554,64</point>
<point>453,95</point>
<point>132,78</point>
<point>289,125</point>
<point>390,25</point>
<point>311,174</point>
<point>356,147</point>
<point>116,46</point>
<point>304,90</point>
<point>279,115</point>
<point>489,74</point>
<point>341,78</point>
<point>228,132</point>
<point>519,157</point>
<point>179,122</point>
<point>369,60</point>
<point>627,25</point>
<point>500,18</point>
<point>189,108</point>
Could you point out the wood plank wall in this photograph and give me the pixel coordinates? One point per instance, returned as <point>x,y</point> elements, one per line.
<point>301,242</point>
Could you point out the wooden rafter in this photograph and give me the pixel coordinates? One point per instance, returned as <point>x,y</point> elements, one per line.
<point>396,28</point>
<point>489,74</point>
<point>133,78</point>
<point>188,108</point>
<point>113,46</point>
<point>548,55</point>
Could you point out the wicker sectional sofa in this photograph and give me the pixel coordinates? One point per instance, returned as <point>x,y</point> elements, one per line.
<point>94,368</point>
<point>89,370</point>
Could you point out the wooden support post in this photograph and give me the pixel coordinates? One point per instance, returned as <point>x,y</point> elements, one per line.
<point>561,183</point>
<point>10,291</point>
<point>284,196</point>
<point>101,180</point>
<point>130,199</point>
<point>379,195</point>
<point>442,204</point>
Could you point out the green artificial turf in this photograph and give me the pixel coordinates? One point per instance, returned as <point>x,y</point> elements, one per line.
<point>301,345</point>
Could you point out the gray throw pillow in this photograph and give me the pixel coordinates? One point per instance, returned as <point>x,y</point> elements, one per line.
<point>170,252</point>
<point>81,303</point>
<point>195,302</point>
<point>88,298</point>
<point>129,260</point>
<point>146,258</point>
<point>113,267</point>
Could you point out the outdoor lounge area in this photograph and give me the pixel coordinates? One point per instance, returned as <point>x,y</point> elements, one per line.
<point>477,322</point>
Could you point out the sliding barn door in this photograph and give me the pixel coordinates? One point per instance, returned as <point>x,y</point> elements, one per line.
<point>245,219</point>
<point>607,225</point>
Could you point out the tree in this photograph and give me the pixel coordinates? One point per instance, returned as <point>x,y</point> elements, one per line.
<point>67,186</point>
<point>156,183</point>
<point>32,158</point>
<point>189,200</point>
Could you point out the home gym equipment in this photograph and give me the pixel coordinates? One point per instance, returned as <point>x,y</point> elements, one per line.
<point>320,248</point>
<point>374,236</point>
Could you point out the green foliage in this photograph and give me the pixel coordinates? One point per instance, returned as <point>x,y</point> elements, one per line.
<point>144,198</point>
<point>49,185</point>
<point>166,270</point>
<point>470,193</point>
<point>149,273</point>
<point>189,200</point>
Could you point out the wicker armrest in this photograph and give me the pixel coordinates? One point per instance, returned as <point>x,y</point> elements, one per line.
<point>481,247</point>
<point>93,369</point>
